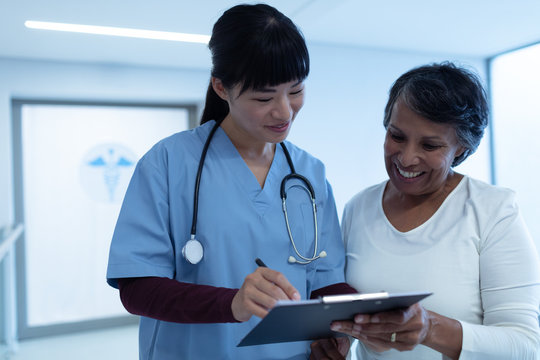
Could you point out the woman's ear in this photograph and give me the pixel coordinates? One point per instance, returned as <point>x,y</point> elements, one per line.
<point>460,152</point>
<point>219,88</point>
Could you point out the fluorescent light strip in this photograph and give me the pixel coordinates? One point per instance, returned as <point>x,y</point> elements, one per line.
<point>116,31</point>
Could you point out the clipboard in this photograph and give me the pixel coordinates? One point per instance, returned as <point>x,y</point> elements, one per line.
<point>310,319</point>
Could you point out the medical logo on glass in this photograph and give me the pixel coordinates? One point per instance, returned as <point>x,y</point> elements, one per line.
<point>106,170</point>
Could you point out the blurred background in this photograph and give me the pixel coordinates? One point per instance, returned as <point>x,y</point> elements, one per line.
<point>78,110</point>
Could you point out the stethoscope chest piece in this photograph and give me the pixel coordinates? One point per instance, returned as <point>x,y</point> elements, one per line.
<point>193,251</point>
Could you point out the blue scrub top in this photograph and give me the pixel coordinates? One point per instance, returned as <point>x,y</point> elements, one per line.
<point>237,222</point>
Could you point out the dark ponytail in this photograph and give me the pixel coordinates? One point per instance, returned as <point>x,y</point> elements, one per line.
<point>215,108</point>
<point>253,46</point>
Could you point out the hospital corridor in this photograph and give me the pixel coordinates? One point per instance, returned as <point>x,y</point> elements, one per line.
<point>103,98</point>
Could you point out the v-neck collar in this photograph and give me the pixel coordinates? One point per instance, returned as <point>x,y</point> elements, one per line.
<point>260,197</point>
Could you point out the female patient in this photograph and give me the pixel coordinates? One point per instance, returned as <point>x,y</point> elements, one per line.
<point>431,228</point>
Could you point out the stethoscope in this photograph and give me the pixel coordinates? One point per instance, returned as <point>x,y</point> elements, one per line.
<point>193,250</point>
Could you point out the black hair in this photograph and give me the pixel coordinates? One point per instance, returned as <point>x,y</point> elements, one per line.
<point>444,93</point>
<point>255,46</point>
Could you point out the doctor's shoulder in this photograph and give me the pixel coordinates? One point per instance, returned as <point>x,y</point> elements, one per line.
<point>179,148</point>
<point>304,162</point>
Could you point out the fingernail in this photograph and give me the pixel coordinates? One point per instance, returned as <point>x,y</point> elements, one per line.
<point>296,296</point>
<point>359,318</point>
<point>375,319</point>
<point>335,327</point>
<point>357,328</point>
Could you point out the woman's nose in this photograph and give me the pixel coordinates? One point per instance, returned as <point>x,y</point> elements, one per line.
<point>408,156</point>
<point>282,109</point>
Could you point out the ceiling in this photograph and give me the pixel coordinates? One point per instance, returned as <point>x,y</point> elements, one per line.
<point>472,28</point>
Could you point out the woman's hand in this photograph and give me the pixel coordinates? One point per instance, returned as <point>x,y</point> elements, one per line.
<point>330,349</point>
<point>404,330</point>
<point>399,329</point>
<point>260,292</point>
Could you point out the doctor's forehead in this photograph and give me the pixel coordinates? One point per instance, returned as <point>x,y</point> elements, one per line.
<point>272,88</point>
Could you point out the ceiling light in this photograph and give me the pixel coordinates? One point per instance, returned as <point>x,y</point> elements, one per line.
<point>116,31</point>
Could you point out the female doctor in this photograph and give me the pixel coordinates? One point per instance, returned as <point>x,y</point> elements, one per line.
<point>204,204</point>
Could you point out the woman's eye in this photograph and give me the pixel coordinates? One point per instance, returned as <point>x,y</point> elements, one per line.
<point>297,92</point>
<point>397,138</point>
<point>263,99</point>
<point>431,147</point>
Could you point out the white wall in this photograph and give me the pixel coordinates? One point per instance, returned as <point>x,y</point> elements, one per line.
<point>341,122</point>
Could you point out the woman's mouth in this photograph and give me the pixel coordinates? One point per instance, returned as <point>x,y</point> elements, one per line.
<point>408,174</point>
<point>280,128</point>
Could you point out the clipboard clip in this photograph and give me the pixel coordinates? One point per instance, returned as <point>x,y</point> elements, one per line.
<point>353,297</point>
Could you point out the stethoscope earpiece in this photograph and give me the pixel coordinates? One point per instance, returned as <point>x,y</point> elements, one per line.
<point>293,260</point>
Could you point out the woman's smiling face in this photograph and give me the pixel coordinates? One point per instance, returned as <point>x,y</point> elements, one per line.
<point>418,152</point>
<point>263,115</point>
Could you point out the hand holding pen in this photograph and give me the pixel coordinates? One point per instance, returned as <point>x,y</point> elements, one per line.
<point>260,292</point>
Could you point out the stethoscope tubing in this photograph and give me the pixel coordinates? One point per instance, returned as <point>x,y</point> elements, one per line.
<point>198,179</point>
<point>306,259</point>
<point>283,194</point>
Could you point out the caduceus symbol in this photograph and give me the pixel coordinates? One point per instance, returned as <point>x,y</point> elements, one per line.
<point>111,163</point>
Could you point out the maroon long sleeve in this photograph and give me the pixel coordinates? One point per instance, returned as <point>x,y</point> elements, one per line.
<point>334,289</point>
<point>174,301</point>
<point>170,300</point>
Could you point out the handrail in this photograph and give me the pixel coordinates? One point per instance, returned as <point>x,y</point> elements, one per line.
<point>9,240</point>
<point>8,288</point>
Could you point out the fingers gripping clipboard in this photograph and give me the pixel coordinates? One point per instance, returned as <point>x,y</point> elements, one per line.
<point>310,319</point>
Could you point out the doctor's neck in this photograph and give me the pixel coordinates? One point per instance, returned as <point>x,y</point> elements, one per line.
<point>250,146</point>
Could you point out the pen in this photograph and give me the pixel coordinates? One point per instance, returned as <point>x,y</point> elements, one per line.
<point>260,262</point>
